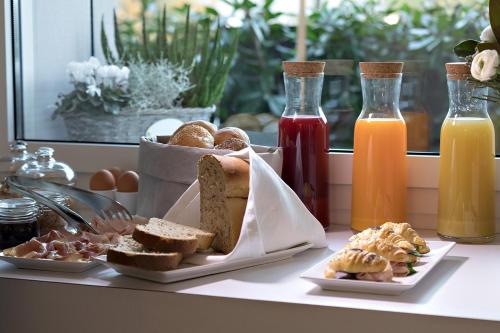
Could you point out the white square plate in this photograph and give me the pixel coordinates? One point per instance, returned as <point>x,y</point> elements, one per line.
<point>188,271</point>
<point>438,250</point>
<point>49,264</point>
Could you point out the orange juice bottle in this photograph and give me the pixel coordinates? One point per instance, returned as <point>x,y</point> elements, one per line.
<point>466,211</point>
<point>379,174</point>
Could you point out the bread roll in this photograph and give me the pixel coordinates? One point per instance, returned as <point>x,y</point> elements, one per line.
<point>232,144</point>
<point>230,132</point>
<point>193,136</point>
<point>223,198</point>
<point>382,248</point>
<point>407,232</point>
<point>205,124</point>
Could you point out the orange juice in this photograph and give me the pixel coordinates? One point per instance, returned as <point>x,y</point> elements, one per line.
<point>467,179</point>
<point>379,172</point>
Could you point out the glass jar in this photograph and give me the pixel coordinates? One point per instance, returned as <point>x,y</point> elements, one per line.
<point>18,221</point>
<point>18,155</point>
<point>48,219</point>
<point>466,210</point>
<point>47,168</point>
<point>379,175</point>
<point>303,135</point>
<point>336,101</point>
<point>412,109</point>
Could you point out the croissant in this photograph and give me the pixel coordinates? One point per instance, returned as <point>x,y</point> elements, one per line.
<point>385,234</point>
<point>408,233</point>
<point>382,248</point>
<point>356,261</point>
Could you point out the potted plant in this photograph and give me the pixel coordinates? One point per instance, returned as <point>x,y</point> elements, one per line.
<point>170,72</point>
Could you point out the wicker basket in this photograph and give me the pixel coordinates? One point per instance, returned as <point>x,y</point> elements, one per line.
<point>126,127</point>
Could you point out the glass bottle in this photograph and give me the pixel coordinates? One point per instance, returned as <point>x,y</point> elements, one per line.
<point>18,155</point>
<point>18,221</point>
<point>466,211</point>
<point>379,176</point>
<point>303,135</point>
<point>47,168</point>
<point>412,109</point>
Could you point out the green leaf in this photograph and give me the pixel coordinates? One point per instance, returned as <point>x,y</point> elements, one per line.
<point>465,48</point>
<point>410,268</point>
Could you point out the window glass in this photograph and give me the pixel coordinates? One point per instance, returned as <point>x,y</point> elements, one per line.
<point>52,35</point>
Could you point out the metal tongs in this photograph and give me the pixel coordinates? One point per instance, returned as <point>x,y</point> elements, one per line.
<point>106,208</point>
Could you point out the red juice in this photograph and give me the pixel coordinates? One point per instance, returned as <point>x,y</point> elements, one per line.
<point>305,143</point>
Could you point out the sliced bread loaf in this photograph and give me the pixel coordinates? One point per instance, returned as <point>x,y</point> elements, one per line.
<point>224,186</point>
<point>165,236</point>
<point>131,253</point>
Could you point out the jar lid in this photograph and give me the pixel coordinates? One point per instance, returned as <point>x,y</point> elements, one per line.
<point>457,70</point>
<point>18,209</point>
<point>304,68</point>
<point>381,70</point>
<point>54,196</point>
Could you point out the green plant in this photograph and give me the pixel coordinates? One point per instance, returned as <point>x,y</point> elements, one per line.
<point>195,44</point>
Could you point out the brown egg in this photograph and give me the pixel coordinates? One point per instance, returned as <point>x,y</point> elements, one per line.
<point>128,182</point>
<point>117,172</point>
<point>102,180</point>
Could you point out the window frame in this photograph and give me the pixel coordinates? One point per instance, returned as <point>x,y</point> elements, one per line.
<point>86,158</point>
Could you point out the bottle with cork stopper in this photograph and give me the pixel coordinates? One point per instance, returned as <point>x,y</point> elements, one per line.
<point>304,136</point>
<point>466,210</point>
<point>379,176</point>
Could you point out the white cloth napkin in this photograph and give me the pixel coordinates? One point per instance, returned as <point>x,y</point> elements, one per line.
<point>275,218</point>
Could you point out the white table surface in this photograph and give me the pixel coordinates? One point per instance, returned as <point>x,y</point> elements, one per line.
<point>466,285</point>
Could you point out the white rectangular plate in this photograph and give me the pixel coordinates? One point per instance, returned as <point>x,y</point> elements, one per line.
<point>438,250</point>
<point>186,271</point>
<point>49,264</point>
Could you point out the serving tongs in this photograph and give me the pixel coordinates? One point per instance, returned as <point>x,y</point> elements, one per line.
<point>106,208</point>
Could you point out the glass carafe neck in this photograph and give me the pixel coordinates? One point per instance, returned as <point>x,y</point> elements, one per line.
<point>381,96</point>
<point>465,99</point>
<point>303,95</point>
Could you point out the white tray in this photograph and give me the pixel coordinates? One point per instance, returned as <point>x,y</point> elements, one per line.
<point>49,264</point>
<point>438,250</point>
<point>187,271</point>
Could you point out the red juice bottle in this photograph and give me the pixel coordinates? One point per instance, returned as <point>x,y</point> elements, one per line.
<point>304,137</point>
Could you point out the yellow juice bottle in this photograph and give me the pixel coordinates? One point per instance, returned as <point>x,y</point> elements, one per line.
<point>466,211</point>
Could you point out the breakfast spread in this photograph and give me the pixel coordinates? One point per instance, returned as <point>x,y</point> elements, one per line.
<point>378,254</point>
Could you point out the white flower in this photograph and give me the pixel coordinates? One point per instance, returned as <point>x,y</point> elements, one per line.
<point>93,90</point>
<point>484,65</point>
<point>94,62</point>
<point>487,35</point>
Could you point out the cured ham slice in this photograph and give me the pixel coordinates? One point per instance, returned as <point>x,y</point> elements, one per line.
<point>385,276</point>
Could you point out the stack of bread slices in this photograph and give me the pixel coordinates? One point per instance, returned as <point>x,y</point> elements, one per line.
<point>160,245</point>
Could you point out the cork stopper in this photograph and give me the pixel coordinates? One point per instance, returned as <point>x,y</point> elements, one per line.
<point>457,70</point>
<point>304,68</point>
<point>381,70</point>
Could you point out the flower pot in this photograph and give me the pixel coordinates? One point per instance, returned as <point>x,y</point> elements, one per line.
<point>126,127</point>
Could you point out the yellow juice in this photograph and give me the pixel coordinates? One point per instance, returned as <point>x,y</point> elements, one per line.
<point>467,179</point>
<point>379,175</point>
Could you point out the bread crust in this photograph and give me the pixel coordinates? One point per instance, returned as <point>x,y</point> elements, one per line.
<point>236,173</point>
<point>233,144</point>
<point>211,128</point>
<point>385,234</point>
<point>137,256</point>
<point>193,136</point>
<point>407,232</point>
<point>230,132</point>
<point>155,242</point>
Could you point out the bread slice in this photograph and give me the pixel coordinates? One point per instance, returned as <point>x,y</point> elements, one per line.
<point>131,253</point>
<point>224,186</point>
<point>165,236</point>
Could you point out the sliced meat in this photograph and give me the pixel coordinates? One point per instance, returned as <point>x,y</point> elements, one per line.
<point>384,276</point>
<point>400,268</point>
